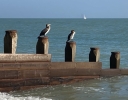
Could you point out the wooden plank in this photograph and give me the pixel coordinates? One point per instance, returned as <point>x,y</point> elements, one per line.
<point>35,66</point>
<point>62,72</point>
<point>42,73</point>
<point>1,65</point>
<point>51,65</point>
<point>25,66</point>
<point>110,72</point>
<point>9,74</point>
<point>87,72</point>
<point>11,66</point>
<point>25,58</point>
<point>50,69</point>
<point>20,84</point>
<point>124,71</point>
<point>42,81</point>
<point>24,82</point>
<point>34,73</point>
<point>74,72</point>
<point>60,69</point>
<point>6,89</point>
<point>89,65</point>
<point>29,74</point>
<point>7,85</point>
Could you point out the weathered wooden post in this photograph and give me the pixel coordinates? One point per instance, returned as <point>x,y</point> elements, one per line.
<point>115,60</point>
<point>10,41</point>
<point>94,54</point>
<point>42,45</point>
<point>70,51</point>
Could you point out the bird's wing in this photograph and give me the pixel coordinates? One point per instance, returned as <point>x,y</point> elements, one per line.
<point>43,31</point>
<point>69,36</point>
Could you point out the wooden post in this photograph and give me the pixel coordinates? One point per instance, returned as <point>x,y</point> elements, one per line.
<point>94,54</point>
<point>10,41</point>
<point>70,51</point>
<point>42,45</point>
<point>115,60</point>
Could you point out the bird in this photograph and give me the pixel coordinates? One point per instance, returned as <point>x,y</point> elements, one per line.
<point>44,31</point>
<point>71,35</point>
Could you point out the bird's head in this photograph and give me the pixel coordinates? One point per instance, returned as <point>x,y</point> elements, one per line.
<point>72,31</point>
<point>48,25</point>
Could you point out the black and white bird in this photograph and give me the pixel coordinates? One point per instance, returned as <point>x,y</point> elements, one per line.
<point>71,35</point>
<point>44,31</point>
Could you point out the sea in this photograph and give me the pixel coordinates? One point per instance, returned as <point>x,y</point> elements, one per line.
<point>108,34</point>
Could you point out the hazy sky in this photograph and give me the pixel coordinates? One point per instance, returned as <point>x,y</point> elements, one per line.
<point>63,8</point>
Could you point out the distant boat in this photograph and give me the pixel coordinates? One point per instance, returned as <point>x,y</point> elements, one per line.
<point>85,17</point>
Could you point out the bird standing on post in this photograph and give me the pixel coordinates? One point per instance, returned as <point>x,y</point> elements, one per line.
<point>71,35</point>
<point>45,31</point>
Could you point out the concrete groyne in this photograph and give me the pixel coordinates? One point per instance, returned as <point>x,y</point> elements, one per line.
<point>25,71</point>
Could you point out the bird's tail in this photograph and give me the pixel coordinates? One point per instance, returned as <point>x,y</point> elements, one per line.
<point>38,37</point>
<point>67,40</point>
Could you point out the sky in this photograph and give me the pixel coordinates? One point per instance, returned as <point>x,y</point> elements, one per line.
<point>63,8</point>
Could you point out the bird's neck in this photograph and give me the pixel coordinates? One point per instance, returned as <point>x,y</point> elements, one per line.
<point>73,33</point>
<point>48,27</point>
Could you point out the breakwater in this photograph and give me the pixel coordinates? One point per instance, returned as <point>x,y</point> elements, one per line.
<point>24,71</point>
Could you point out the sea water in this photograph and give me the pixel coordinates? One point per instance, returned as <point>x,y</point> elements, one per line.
<point>107,34</point>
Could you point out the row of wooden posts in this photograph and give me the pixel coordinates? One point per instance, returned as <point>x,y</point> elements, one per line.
<point>42,47</point>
